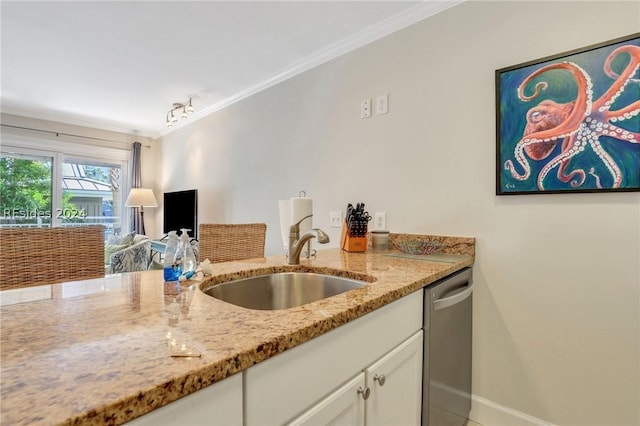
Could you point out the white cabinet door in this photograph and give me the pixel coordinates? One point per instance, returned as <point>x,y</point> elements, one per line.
<point>216,405</point>
<point>344,407</point>
<point>396,386</point>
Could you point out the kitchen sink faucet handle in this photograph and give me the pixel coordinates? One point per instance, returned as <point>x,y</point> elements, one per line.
<point>295,228</point>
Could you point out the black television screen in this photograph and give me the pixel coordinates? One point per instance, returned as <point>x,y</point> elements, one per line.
<point>181,211</point>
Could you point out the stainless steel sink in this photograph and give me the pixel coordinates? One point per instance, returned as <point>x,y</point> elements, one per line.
<point>281,290</point>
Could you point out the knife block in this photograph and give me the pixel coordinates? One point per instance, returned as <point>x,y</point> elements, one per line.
<point>352,244</point>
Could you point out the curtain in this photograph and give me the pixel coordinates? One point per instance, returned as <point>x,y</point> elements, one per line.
<point>135,219</point>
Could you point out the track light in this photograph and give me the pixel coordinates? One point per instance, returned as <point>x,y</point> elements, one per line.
<point>172,116</point>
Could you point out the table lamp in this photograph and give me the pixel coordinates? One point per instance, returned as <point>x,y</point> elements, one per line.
<point>141,197</point>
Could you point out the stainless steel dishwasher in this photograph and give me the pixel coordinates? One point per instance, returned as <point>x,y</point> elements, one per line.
<point>446,383</point>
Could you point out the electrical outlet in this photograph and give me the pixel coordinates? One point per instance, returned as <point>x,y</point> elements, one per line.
<point>335,219</point>
<point>380,220</point>
<point>382,104</point>
<point>365,108</point>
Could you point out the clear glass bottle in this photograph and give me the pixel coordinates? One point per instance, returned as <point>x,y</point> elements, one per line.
<point>172,269</point>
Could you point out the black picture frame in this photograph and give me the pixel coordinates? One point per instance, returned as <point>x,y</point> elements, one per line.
<point>570,122</point>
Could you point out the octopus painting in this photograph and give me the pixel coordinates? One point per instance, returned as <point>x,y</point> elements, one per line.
<point>571,123</point>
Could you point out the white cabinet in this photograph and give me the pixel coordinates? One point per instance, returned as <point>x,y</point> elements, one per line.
<point>218,404</point>
<point>396,386</point>
<point>311,373</point>
<point>344,407</point>
<point>389,392</point>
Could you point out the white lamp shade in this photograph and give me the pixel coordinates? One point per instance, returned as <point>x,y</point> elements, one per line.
<point>141,197</point>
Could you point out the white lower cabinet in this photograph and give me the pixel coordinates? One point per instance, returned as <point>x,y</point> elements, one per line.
<point>388,392</point>
<point>396,386</point>
<point>318,381</point>
<point>217,405</point>
<point>344,407</point>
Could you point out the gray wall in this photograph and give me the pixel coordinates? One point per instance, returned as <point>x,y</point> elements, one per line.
<point>557,276</point>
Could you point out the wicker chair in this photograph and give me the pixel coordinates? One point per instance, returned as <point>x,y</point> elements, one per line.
<point>37,256</point>
<point>227,242</point>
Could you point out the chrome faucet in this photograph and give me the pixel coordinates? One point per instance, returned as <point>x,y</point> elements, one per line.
<point>296,242</point>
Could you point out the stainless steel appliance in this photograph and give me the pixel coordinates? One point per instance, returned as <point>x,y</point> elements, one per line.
<point>446,384</point>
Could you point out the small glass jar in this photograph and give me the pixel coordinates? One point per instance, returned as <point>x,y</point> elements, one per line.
<point>379,240</point>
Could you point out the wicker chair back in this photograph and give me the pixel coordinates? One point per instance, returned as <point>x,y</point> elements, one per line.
<point>37,256</point>
<point>228,242</point>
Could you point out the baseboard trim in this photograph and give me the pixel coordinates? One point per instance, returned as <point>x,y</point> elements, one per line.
<point>450,399</point>
<point>489,413</point>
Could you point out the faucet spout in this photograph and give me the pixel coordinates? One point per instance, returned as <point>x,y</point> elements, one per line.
<point>297,242</point>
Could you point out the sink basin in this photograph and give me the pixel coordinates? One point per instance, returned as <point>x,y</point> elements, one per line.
<point>281,290</point>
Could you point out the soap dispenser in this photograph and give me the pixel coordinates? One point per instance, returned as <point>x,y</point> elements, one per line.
<point>172,269</point>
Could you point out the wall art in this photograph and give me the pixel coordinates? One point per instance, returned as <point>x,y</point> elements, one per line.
<point>570,122</point>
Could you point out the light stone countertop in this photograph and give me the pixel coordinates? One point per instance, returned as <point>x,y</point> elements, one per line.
<point>99,351</point>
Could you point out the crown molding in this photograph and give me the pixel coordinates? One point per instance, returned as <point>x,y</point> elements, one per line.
<point>395,23</point>
<point>75,120</point>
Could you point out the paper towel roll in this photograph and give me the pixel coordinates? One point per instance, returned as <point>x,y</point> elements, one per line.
<point>285,221</point>
<point>301,207</point>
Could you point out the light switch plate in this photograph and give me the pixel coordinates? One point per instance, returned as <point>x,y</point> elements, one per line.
<point>380,221</point>
<point>382,104</point>
<point>335,219</point>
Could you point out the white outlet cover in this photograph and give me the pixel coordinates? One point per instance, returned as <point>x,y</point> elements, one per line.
<point>365,108</point>
<point>382,104</point>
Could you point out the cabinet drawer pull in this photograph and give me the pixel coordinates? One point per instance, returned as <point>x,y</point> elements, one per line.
<point>364,392</point>
<point>381,379</point>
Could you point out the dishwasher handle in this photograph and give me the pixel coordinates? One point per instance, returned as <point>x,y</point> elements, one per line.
<point>446,302</point>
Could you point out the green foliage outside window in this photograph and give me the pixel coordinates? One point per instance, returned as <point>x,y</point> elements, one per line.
<point>25,186</point>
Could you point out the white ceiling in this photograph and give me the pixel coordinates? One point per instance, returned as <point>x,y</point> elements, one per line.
<point>120,65</point>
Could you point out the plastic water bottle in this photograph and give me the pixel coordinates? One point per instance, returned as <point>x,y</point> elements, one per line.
<point>185,256</point>
<point>172,270</point>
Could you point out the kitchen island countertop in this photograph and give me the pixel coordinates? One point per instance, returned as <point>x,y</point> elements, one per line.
<point>100,351</point>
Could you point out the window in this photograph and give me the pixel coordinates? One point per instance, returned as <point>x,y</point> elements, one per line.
<point>91,195</point>
<point>43,189</point>
<point>25,190</point>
